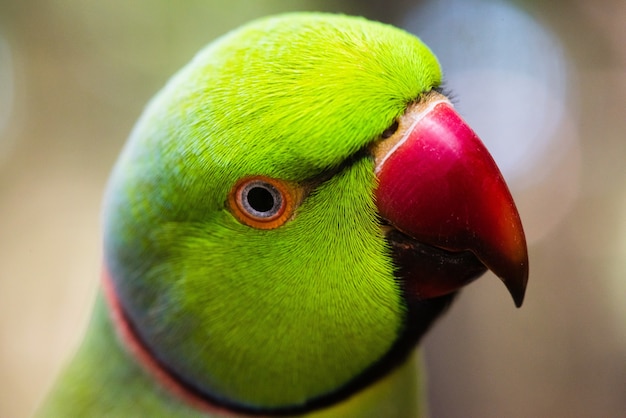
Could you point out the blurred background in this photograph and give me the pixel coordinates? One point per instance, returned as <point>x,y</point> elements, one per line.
<point>543,83</point>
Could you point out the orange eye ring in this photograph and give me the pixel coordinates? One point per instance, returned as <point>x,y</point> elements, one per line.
<point>262,202</point>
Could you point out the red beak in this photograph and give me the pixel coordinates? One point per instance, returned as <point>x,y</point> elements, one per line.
<point>439,186</point>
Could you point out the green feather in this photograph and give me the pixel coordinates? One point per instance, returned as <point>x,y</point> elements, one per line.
<point>258,318</point>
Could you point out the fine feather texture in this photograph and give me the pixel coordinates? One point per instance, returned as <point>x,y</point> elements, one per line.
<point>265,319</point>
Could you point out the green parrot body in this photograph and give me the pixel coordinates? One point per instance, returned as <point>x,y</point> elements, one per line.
<point>246,269</point>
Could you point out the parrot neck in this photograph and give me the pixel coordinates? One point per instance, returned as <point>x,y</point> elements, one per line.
<point>398,390</point>
<point>148,362</point>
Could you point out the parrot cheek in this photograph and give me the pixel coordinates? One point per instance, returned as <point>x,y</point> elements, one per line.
<point>450,213</point>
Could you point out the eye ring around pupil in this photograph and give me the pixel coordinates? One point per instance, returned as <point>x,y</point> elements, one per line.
<point>261,199</point>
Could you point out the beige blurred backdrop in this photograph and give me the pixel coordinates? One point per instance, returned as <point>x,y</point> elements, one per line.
<point>74,76</point>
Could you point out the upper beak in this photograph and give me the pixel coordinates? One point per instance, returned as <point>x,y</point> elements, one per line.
<point>438,185</point>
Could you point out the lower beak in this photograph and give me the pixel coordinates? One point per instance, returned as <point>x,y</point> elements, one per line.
<point>440,189</point>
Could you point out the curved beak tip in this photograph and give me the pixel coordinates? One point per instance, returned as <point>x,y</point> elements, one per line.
<point>516,283</point>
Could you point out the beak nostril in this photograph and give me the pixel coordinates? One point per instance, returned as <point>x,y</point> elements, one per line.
<point>390,130</point>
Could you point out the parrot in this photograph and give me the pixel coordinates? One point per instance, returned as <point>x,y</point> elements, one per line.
<point>289,216</point>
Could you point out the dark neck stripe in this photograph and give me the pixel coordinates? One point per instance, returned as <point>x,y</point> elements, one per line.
<point>420,316</point>
<point>144,357</point>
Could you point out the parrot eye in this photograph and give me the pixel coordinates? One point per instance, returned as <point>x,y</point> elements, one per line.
<point>261,199</point>
<point>262,202</point>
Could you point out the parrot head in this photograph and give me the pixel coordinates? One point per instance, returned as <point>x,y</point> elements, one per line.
<point>294,210</point>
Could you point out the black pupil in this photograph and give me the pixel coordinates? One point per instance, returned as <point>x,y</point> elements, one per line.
<point>260,199</point>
